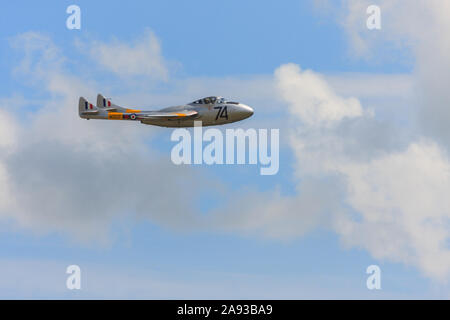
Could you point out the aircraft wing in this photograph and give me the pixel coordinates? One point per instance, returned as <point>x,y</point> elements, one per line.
<point>87,112</point>
<point>160,115</point>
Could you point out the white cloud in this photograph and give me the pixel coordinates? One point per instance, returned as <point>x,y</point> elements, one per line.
<point>7,131</point>
<point>397,193</point>
<point>40,54</point>
<point>60,173</point>
<point>418,26</point>
<point>311,99</point>
<point>8,145</point>
<point>403,201</point>
<point>395,174</point>
<point>372,86</point>
<point>375,183</point>
<point>77,177</point>
<point>345,158</point>
<point>142,58</point>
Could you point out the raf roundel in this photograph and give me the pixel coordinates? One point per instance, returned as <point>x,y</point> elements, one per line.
<point>132,116</point>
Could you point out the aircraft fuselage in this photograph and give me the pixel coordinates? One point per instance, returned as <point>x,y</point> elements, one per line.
<point>211,111</point>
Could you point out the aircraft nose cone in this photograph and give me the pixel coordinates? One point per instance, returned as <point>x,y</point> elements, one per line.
<point>245,111</point>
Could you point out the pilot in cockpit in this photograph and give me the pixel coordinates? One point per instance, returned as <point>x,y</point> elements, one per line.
<point>206,101</point>
<point>210,100</point>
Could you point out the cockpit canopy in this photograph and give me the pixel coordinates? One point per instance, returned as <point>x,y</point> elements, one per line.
<point>210,100</point>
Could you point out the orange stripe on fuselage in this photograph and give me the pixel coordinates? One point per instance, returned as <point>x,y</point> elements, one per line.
<point>115,116</point>
<point>132,111</point>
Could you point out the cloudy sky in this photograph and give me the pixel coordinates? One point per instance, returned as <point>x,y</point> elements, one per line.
<point>364,151</point>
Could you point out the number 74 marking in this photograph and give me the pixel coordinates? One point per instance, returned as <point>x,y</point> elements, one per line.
<point>222,113</point>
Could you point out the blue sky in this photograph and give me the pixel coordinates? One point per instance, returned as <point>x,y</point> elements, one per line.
<point>154,248</point>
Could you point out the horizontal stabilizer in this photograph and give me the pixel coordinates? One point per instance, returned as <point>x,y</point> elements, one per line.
<point>90,112</point>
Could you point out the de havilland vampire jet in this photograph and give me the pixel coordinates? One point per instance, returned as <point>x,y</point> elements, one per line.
<point>211,111</point>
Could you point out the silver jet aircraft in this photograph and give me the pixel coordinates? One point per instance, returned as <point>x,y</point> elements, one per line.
<point>211,111</point>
